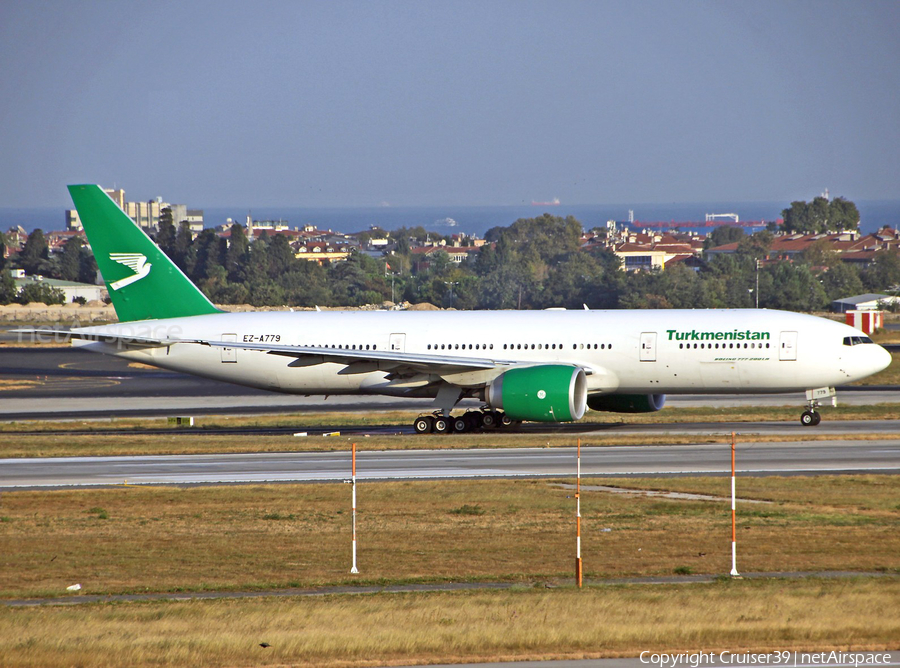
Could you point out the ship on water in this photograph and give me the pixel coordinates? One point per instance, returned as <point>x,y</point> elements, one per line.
<point>553,202</point>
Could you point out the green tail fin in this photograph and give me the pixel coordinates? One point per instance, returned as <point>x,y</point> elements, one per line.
<point>143,283</point>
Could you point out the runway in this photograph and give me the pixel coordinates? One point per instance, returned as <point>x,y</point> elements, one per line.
<point>69,383</point>
<point>822,457</point>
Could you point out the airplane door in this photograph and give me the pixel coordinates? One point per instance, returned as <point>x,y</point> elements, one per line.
<point>787,350</point>
<point>648,346</point>
<point>229,354</point>
<point>397,342</point>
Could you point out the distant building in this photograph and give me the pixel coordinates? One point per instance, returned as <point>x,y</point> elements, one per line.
<point>867,302</point>
<point>145,214</point>
<point>70,289</point>
<point>649,256</point>
<point>851,246</point>
<point>321,252</point>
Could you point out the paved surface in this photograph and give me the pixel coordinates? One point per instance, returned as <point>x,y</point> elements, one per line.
<point>79,599</point>
<point>753,459</point>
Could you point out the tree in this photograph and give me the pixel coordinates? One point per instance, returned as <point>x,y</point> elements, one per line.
<point>841,281</point>
<point>70,259</point>
<point>165,237</point>
<point>756,246</point>
<point>821,215</point>
<point>581,279</point>
<point>238,253</point>
<point>281,256</point>
<point>209,252</point>
<point>797,288</point>
<point>820,254</point>
<point>884,272</point>
<point>38,291</point>
<point>87,268</point>
<point>844,214</point>
<point>166,218</point>
<point>35,253</point>
<point>7,287</point>
<point>722,235</point>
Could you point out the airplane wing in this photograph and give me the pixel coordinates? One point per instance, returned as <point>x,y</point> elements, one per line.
<point>47,335</point>
<point>388,360</point>
<point>356,361</point>
<point>464,371</point>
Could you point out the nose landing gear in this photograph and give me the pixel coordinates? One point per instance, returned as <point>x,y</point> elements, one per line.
<point>810,417</point>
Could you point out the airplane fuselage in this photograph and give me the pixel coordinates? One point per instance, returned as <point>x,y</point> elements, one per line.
<point>624,352</point>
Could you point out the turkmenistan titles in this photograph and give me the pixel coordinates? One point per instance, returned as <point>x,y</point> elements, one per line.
<point>733,335</point>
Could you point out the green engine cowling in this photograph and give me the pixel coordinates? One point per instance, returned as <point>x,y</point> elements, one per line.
<point>627,403</point>
<point>546,393</point>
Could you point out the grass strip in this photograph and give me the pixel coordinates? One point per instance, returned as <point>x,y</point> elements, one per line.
<point>355,419</point>
<point>139,539</point>
<point>126,443</point>
<point>381,629</point>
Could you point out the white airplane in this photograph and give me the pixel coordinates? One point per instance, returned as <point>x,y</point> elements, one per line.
<point>547,366</point>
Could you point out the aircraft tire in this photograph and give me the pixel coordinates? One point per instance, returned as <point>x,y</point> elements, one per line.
<point>423,424</point>
<point>461,424</point>
<point>441,425</point>
<point>810,418</point>
<point>489,420</point>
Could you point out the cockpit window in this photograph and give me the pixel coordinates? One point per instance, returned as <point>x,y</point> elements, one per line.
<point>856,340</point>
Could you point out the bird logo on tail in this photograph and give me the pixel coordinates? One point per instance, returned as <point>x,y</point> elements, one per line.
<point>134,261</point>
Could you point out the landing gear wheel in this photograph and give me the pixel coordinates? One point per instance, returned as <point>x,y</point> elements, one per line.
<point>475,420</point>
<point>810,418</point>
<point>423,424</point>
<point>505,420</point>
<point>441,425</point>
<point>490,420</point>
<point>460,425</point>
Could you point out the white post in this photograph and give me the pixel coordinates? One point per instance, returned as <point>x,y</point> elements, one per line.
<point>578,570</point>
<point>734,570</point>
<point>353,569</point>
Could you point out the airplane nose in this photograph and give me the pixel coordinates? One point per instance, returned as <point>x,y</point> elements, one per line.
<point>882,359</point>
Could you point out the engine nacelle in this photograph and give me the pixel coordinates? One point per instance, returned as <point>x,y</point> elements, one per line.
<point>627,403</point>
<point>546,393</point>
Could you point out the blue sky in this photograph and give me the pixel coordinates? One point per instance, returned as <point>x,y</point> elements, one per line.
<point>430,103</point>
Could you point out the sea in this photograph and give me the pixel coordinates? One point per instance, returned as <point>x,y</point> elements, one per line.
<point>476,220</point>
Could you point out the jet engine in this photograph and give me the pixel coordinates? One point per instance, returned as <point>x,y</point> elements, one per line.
<point>545,393</point>
<point>627,403</point>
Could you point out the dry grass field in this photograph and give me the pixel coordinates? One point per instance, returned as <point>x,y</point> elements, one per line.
<point>136,539</point>
<point>258,538</point>
<point>461,626</point>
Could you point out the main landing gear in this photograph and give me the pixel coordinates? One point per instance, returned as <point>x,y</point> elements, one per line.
<point>810,417</point>
<point>438,423</point>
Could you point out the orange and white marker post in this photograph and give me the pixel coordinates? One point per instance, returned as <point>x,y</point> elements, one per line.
<point>578,571</point>
<point>734,570</point>
<point>353,569</point>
